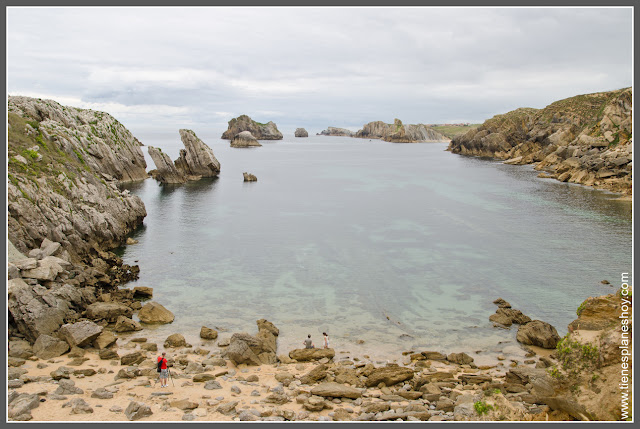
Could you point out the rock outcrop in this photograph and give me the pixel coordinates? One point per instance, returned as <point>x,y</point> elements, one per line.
<point>248,177</point>
<point>585,139</point>
<point>254,350</point>
<point>64,167</point>
<point>303,355</point>
<point>196,161</point>
<point>244,139</point>
<point>538,333</point>
<point>301,132</point>
<point>333,131</point>
<point>268,131</point>
<point>399,133</point>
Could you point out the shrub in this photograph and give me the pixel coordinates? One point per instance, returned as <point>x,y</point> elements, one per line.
<point>482,407</point>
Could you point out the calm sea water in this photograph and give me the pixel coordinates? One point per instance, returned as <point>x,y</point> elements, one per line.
<point>403,246</point>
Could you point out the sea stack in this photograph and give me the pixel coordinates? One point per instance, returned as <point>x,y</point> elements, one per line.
<point>399,133</point>
<point>268,131</point>
<point>334,131</point>
<point>244,139</point>
<point>301,132</point>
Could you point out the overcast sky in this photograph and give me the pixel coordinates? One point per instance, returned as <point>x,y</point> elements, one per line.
<point>160,69</point>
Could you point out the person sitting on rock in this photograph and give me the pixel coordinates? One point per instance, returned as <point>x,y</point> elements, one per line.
<point>308,344</point>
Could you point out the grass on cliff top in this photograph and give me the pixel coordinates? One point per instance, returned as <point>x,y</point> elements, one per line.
<point>54,160</point>
<point>451,131</point>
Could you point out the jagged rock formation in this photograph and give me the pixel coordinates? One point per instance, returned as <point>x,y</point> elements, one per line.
<point>166,171</point>
<point>399,133</point>
<point>64,167</point>
<point>301,132</point>
<point>248,177</point>
<point>585,139</point>
<point>244,139</point>
<point>268,131</point>
<point>333,131</point>
<point>195,161</point>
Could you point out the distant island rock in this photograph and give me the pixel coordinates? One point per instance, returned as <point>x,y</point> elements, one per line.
<point>301,132</point>
<point>244,139</point>
<point>399,133</point>
<point>586,139</point>
<point>248,177</point>
<point>196,161</point>
<point>268,131</point>
<point>333,131</point>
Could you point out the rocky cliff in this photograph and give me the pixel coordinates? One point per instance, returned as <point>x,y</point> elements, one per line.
<point>196,161</point>
<point>399,133</point>
<point>333,131</point>
<point>585,139</point>
<point>268,131</point>
<point>64,167</point>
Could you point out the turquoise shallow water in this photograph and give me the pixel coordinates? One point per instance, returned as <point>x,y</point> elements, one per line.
<point>404,246</point>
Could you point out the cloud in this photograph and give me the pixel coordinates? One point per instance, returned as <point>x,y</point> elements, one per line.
<point>315,67</point>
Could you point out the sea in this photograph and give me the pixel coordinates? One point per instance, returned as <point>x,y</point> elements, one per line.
<point>387,247</point>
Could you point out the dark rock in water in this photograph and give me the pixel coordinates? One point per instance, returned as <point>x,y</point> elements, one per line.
<point>301,132</point>
<point>244,139</point>
<point>166,171</point>
<point>538,333</point>
<point>502,303</point>
<point>249,177</point>
<point>506,316</point>
<point>142,292</point>
<point>268,131</point>
<point>208,333</point>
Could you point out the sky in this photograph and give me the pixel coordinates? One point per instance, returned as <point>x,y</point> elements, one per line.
<point>160,69</point>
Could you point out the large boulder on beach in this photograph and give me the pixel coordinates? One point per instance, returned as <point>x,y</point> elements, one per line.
<point>301,132</point>
<point>80,334</point>
<point>241,349</point>
<point>20,349</point>
<point>244,139</point>
<point>47,347</point>
<point>538,333</point>
<point>460,358</point>
<point>152,312</point>
<point>137,410</point>
<point>31,314</point>
<point>124,324</point>
<point>303,355</point>
<point>389,375</point>
<point>20,407</point>
<point>336,390</point>
<point>109,311</point>
<point>104,340</point>
<point>175,340</point>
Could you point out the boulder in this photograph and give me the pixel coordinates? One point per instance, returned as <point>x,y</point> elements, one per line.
<point>132,358</point>
<point>68,387</point>
<point>248,177</point>
<point>303,355</point>
<point>203,377</point>
<point>61,372</point>
<point>47,270</point>
<point>137,410</point>
<point>15,373</point>
<point>184,404</point>
<point>124,324</point>
<point>108,354</point>
<point>514,316</point>
<point>32,315</point>
<point>102,393</point>
<point>389,375</point>
<point>315,375</point>
<point>142,292</point>
<point>211,384</point>
<point>208,333</point>
<point>22,406</point>
<point>460,358</point>
<point>240,350</point>
<point>244,139</point>
<point>301,132</point>
<point>538,333</point>
<point>434,355</point>
<point>47,347</point>
<point>336,390</point>
<point>80,334</point>
<point>153,312</point>
<point>196,160</point>
<point>193,368</point>
<point>104,340</point>
<point>175,340</point>
<point>79,406</point>
<point>20,349</point>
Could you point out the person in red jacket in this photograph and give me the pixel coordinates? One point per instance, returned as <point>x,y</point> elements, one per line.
<point>164,370</point>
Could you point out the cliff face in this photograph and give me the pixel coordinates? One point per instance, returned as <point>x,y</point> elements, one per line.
<point>333,131</point>
<point>399,133</point>
<point>585,139</point>
<point>64,165</point>
<point>268,131</point>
